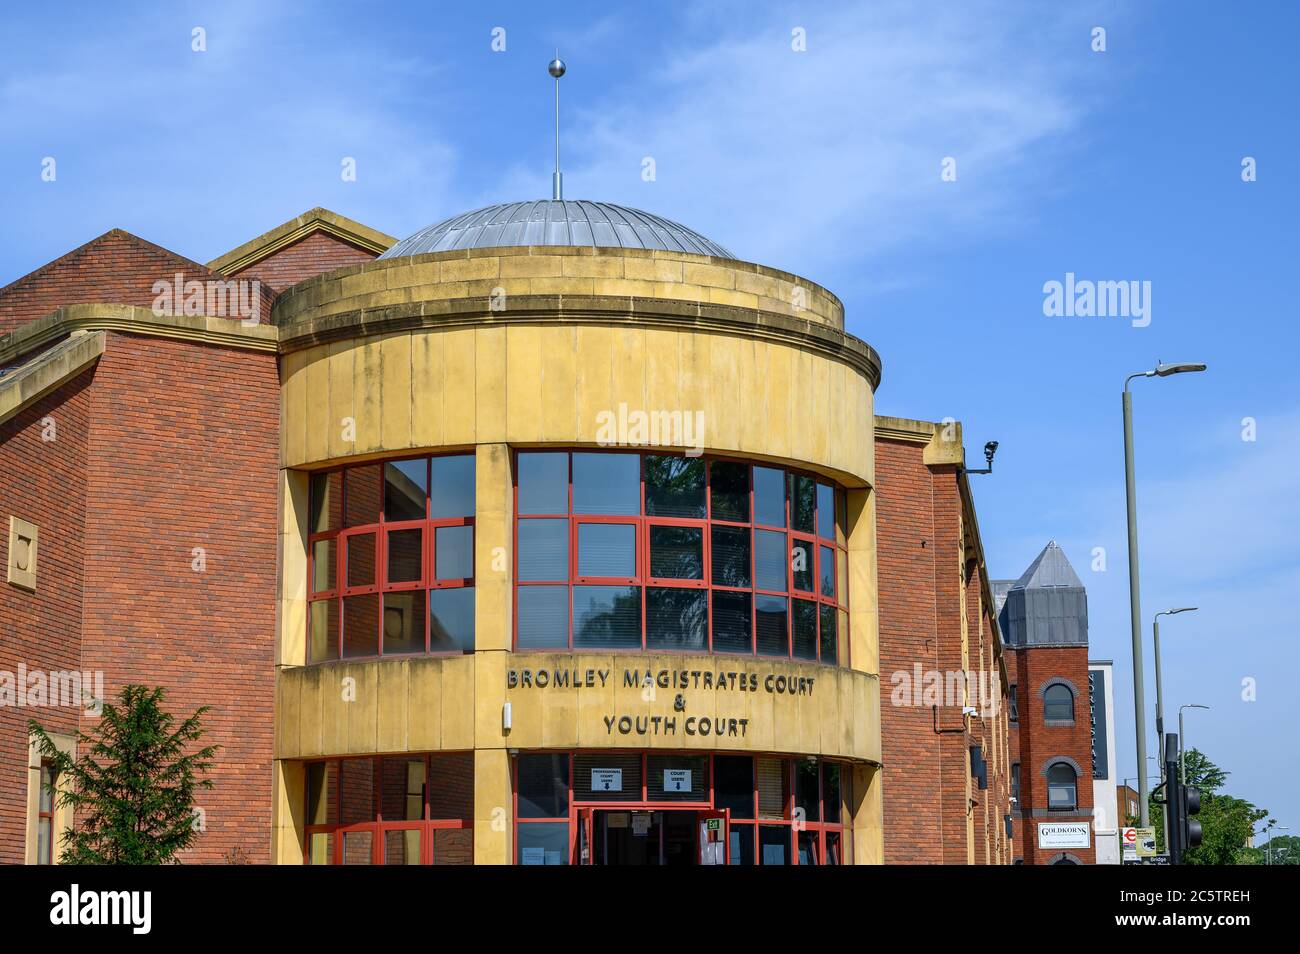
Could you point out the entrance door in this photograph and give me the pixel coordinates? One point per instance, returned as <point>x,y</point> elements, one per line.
<point>627,837</point>
<point>712,837</point>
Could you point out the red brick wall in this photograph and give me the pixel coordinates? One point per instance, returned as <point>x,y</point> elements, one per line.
<point>183,453</point>
<point>44,482</point>
<point>314,255</point>
<point>928,819</point>
<point>1041,743</point>
<point>116,268</point>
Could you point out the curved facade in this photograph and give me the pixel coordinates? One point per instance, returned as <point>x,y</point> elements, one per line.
<point>577,563</point>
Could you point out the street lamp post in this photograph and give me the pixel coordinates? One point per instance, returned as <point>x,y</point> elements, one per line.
<point>1182,745</point>
<point>1161,370</point>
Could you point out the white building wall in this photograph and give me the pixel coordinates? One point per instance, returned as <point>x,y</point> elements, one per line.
<point>1106,822</point>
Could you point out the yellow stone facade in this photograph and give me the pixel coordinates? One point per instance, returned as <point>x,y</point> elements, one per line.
<point>493,350</point>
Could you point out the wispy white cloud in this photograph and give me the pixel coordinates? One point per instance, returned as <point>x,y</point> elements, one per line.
<point>831,153</point>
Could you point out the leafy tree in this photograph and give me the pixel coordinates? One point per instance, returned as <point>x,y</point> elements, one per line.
<point>1280,850</point>
<point>1226,821</point>
<point>132,791</point>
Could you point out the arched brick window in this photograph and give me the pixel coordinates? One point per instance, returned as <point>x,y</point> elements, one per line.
<point>1058,703</point>
<point>1062,786</point>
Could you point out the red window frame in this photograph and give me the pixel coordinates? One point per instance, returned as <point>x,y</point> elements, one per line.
<point>378,827</point>
<point>792,826</point>
<point>645,581</point>
<point>379,585</point>
<point>45,819</point>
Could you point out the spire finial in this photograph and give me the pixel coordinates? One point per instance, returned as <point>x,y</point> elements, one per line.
<point>556,68</point>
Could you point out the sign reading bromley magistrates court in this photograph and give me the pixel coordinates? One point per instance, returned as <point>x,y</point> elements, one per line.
<point>706,680</point>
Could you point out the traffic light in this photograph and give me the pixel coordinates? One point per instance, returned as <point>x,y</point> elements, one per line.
<point>1191,806</point>
<point>1181,803</point>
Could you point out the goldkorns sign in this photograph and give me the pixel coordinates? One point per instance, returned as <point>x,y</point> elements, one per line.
<point>1064,834</point>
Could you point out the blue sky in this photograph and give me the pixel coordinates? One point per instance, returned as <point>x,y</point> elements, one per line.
<point>1122,165</point>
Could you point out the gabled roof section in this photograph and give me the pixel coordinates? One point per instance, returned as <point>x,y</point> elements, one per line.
<point>117,268</point>
<point>295,230</point>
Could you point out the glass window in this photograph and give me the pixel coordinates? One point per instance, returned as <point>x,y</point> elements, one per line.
<point>324,631</point>
<point>607,550</point>
<point>770,559</point>
<point>543,785</point>
<point>453,549</point>
<point>773,787</point>
<point>406,485</point>
<point>734,784</point>
<point>826,511</point>
<point>404,622</point>
<point>607,484</point>
<point>628,528</point>
<point>543,617</point>
<point>729,491</point>
<point>831,792</point>
<point>732,631</point>
<point>361,559</point>
<point>1058,703</point>
<point>606,617</point>
<point>543,843</point>
<point>362,488</point>
<point>808,848</point>
<point>740,849</point>
<point>805,629</point>
<point>1014,715</point>
<point>543,550</point>
<point>772,625</point>
<point>326,501</point>
<point>677,553</point>
<point>323,565</point>
<point>451,491</point>
<point>361,626</point>
<point>674,487</point>
<point>676,618</point>
<point>803,503</point>
<point>769,497</point>
<point>731,556</point>
<point>1061,787</point>
<point>829,637</point>
<point>451,620</point>
<point>833,849</point>
<point>807,790</point>
<point>774,844</point>
<point>801,564</point>
<point>405,555</point>
<point>543,483</point>
<point>677,778</point>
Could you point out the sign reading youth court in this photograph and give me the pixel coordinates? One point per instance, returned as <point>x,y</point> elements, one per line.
<point>706,680</point>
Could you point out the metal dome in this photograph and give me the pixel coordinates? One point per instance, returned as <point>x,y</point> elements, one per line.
<point>556,222</point>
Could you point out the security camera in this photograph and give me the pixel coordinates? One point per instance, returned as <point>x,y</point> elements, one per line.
<point>990,449</point>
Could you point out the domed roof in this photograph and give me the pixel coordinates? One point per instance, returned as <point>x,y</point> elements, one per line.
<point>557,222</point>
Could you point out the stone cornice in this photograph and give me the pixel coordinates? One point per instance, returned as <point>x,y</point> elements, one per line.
<point>585,309</point>
<point>226,332</point>
<point>24,385</point>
